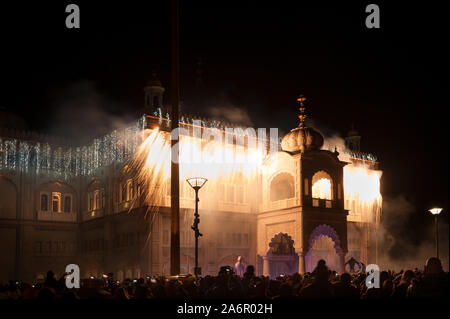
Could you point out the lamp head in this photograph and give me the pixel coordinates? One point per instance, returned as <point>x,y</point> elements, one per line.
<point>435,211</point>
<point>197,182</point>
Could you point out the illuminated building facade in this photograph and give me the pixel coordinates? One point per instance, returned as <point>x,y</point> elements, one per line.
<point>63,204</point>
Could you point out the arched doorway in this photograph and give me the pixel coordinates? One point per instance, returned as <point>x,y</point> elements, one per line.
<point>324,243</point>
<point>281,257</point>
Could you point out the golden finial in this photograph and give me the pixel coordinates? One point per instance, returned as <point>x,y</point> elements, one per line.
<point>302,115</point>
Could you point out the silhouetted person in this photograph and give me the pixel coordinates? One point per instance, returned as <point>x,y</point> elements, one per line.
<point>320,288</point>
<point>50,280</point>
<point>434,283</point>
<point>141,291</point>
<point>239,267</point>
<point>344,289</point>
<point>250,272</point>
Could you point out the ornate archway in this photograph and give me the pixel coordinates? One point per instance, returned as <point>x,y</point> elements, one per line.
<point>324,243</point>
<point>281,257</point>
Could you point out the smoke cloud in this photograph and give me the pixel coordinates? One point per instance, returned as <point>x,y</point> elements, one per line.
<point>80,113</point>
<point>231,114</point>
<point>399,246</point>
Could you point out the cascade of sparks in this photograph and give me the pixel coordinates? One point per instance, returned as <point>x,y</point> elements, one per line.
<point>220,163</point>
<point>362,192</point>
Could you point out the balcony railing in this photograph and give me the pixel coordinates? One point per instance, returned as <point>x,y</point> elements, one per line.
<point>324,203</point>
<point>57,217</point>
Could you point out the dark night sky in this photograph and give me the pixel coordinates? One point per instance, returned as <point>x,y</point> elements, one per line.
<point>259,56</point>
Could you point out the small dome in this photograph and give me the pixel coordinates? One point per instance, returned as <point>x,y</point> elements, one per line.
<point>301,139</point>
<point>11,120</point>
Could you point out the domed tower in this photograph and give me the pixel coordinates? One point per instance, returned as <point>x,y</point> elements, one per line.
<point>353,139</point>
<point>154,93</point>
<point>303,197</point>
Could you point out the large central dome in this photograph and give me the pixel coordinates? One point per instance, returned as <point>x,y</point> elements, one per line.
<point>301,139</point>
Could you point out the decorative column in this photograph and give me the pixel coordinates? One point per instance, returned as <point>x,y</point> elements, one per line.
<point>301,263</point>
<point>266,266</point>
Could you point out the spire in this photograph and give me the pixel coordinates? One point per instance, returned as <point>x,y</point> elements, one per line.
<point>302,108</point>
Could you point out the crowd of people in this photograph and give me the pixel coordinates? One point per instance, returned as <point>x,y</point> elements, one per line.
<point>431,282</point>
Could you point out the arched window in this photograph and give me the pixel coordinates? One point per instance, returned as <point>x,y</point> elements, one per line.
<point>322,186</point>
<point>44,202</point>
<point>56,202</point>
<point>67,204</point>
<point>97,199</point>
<point>282,187</point>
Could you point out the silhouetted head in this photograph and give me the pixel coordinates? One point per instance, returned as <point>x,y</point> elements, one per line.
<point>433,266</point>
<point>346,278</point>
<point>321,272</point>
<point>250,270</point>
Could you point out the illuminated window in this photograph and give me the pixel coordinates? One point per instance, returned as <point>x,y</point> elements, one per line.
<point>322,186</point>
<point>56,202</point>
<point>96,199</point>
<point>44,202</point>
<point>67,204</point>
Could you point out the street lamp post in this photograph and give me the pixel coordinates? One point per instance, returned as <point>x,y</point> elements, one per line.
<point>196,183</point>
<point>435,212</point>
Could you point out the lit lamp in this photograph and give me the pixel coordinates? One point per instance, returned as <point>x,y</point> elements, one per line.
<point>196,183</point>
<point>435,212</point>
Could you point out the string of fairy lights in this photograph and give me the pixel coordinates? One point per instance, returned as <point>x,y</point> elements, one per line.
<point>66,162</point>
